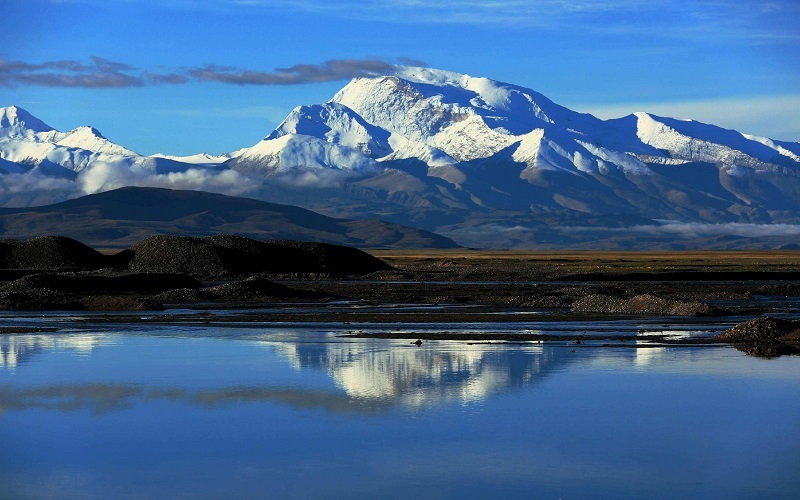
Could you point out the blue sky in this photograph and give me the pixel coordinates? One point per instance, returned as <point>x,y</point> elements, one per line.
<point>165,76</point>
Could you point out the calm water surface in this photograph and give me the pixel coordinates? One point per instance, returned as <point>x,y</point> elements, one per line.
<point>133,411</point>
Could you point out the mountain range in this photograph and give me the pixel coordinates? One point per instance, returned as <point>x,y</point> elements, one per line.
<point>483,162</point>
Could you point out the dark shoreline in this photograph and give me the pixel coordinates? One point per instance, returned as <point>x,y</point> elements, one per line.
<point>308,283</point>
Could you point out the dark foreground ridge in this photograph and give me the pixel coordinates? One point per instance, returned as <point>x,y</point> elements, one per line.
<point>120,218</point>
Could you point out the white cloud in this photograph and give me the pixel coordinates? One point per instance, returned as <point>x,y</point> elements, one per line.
<point>27,182</point>
<point>321,178</point>
<point>104,177</point>
<point>34,188</point>
<point>697,229</point>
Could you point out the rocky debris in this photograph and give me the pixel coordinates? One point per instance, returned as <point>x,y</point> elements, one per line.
<point>78,291</point>
<point>120,303</point>
<point>226,256</point>
<point>180,296</point>
<point>762,329</point>
<point>178,254</point>
<point>39,299</point>
<point>256,288</point>
<point>764,337</point>
<point>547,302</point>
<point>49,252</point>
<point>781,290</point>
<point>26,329</point>
<point>79,283</point>
<point>639,304</point>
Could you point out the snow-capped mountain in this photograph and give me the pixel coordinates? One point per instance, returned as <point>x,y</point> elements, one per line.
<point>294,153</point>
<point>27,144</point>
<point>475,144</point>
<point>485,162</point>
<point>441,118</point>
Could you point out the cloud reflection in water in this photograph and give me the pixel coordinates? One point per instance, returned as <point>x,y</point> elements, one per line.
<point>368,377</point>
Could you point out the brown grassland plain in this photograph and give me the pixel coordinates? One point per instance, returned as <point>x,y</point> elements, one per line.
<point>553,264</point>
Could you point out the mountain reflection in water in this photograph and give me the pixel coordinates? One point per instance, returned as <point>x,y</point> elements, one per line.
<point>366,375</point>
<point>207,412</point>
<point>432,373</point>
<point>18,349</point>
<point>363,375</point>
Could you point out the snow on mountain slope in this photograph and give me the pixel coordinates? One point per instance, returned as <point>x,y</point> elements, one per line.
<point>403,149</point>
<point>695,141</point>
<point>35,146</point>
<point>16,122</point>
<point>89,139</point>
<point>442,118</point>
<point>437,117</point>
<point>202,159</point>
<point>295,153</point>
<point>335,123</point>
<point>470,139</point>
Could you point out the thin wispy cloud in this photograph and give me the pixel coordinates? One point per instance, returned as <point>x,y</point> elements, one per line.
<point>333,70</point>
<point>752,19</point>
<point>526,12</point>
<point>103,73</point>
<point>100,73</point>
<point>688,230</point>
<point>746,20</point>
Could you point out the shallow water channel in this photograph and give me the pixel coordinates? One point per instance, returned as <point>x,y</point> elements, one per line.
<point>270,410</point>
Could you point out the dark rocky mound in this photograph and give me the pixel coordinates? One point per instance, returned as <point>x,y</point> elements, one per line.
<point>764,337</point>
<point>248,256</point>
<point>223,256</point>
<point>640,304</point>
<point>49,252</point>
<point>76,283</point>
<point>178,254</point>
<point>256,288</point>
<point>76,291</point>
<point>333,259</point>
<point>762,329</point>
<point>38,299</point>
<point>180,296</point>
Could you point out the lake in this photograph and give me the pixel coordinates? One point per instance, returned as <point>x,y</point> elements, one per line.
<point>134,410</point>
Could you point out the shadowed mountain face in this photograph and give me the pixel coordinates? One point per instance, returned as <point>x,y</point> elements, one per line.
<point>124,216</point>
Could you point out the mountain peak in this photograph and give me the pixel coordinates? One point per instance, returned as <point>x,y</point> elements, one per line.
<point>16,122</point>
<point>90,139</point>
<point>88,132</point>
